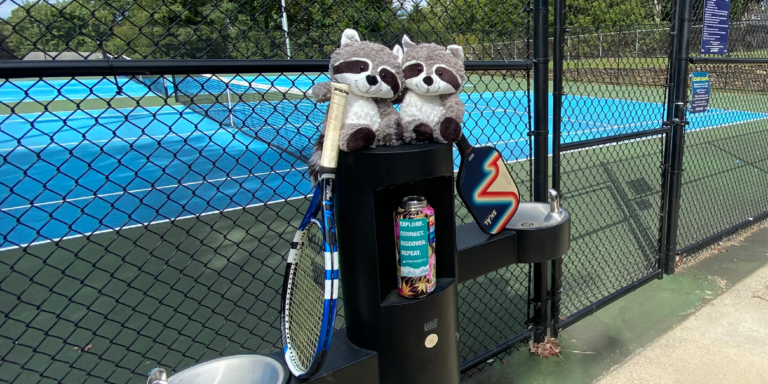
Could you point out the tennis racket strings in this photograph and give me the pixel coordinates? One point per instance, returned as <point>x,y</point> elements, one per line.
<point>307,304</point>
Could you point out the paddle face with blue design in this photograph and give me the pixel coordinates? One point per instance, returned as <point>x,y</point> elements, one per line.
<point>486,186</point>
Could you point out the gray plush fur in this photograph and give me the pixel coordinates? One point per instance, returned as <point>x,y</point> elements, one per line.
<point>367,123</point>
<point>435,107</point>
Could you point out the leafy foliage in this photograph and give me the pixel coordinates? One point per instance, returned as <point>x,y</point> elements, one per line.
<point>254,28</point>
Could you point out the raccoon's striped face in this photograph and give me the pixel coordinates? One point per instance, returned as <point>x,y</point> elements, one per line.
<point>366,81</point>
<point>437,80</point>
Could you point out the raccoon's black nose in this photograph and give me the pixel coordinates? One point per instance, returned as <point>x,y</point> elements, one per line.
<point>428,81</point>
<point>371,80</point>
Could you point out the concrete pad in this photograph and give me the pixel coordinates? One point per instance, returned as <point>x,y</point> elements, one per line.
<point>724,342</point>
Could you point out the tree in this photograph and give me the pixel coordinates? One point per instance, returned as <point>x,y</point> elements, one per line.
<point>6,53</point>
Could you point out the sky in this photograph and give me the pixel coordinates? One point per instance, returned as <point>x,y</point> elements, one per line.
<point>6,6</point>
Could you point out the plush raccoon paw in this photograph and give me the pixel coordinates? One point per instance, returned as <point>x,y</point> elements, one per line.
<point>423,132</point>
<point>450,130</point>
<point>361,138</point>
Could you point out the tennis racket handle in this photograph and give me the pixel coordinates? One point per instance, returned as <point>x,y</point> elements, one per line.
<point>334,121</point>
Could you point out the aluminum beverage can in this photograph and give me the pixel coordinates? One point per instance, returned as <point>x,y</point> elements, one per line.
<point>415,244</point>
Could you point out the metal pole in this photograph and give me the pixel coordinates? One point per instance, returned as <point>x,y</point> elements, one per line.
<point>637,42</point>
<point>601,45</point>
<point>669,86</point>
<point>540,154</point>
<point>285,29</point>
<point>557,105</point>
<point>676,137</point>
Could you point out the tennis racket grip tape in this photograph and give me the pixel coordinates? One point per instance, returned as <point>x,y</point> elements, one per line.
<point>334,121</point>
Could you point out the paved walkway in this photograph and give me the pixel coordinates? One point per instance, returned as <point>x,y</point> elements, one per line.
<point>726,341</point>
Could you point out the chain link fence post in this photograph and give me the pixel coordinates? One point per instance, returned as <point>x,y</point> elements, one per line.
<point>540,155</point>
<point>678,123</point>
<point>557,108</point>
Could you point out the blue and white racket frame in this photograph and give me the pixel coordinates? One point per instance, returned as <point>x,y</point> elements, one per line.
<point>324,188</point>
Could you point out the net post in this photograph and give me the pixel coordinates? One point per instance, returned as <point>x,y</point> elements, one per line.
<point>165,85</point>
<point>175,84</point>
<point>229,105</point>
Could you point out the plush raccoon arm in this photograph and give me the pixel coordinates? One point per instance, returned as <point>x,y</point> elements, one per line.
<point>321,92</point>
<point>453,106</point>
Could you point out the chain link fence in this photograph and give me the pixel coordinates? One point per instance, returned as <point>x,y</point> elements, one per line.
<point>723,180</point>
<point>145,218</point>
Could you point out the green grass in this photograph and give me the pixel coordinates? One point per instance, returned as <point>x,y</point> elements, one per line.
<point>87,104</point>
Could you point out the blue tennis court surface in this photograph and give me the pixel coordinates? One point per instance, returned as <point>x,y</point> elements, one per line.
<point>71,173</point>
<point>107,88</point>
<point>69,89</point>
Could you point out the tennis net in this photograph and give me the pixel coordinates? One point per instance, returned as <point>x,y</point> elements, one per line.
<point>283,118</point>
<point>156,84</point>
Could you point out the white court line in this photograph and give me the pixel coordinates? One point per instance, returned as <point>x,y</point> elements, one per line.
<point>95,117</point>
<point>660,134</point>
<point>145,225</point>
<point>608,127</point>
<point>488,109</point>
<point>149,189</point>
<point>127,139</point>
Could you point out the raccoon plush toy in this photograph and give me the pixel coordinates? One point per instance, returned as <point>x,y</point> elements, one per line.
<point>375,77</point>
<point>431,108</point>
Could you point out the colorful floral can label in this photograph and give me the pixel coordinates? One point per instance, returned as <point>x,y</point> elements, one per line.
<point>415,243</point>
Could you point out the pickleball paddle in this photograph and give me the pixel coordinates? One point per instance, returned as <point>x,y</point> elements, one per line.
<point>486,186</point>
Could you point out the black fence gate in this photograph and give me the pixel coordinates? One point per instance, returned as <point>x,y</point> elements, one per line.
<point>609,155</point>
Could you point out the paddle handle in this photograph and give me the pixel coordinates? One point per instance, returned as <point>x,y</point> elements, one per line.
<point>463,145</point>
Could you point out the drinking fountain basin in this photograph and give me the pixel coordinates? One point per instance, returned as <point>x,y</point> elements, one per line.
<point>543,230</point>
<point>240,369</point>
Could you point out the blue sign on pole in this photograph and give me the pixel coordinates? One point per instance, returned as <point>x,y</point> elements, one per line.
<point>714,34</point>
<point>700,99</point>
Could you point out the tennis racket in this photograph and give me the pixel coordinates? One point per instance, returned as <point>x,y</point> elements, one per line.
<point>486,186</point>
<point>311,282</point>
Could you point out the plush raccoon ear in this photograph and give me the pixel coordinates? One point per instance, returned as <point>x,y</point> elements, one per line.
<point>457,51</point>
<point>407,43</point>
<point>398,50</point>
<point>349,36</point>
